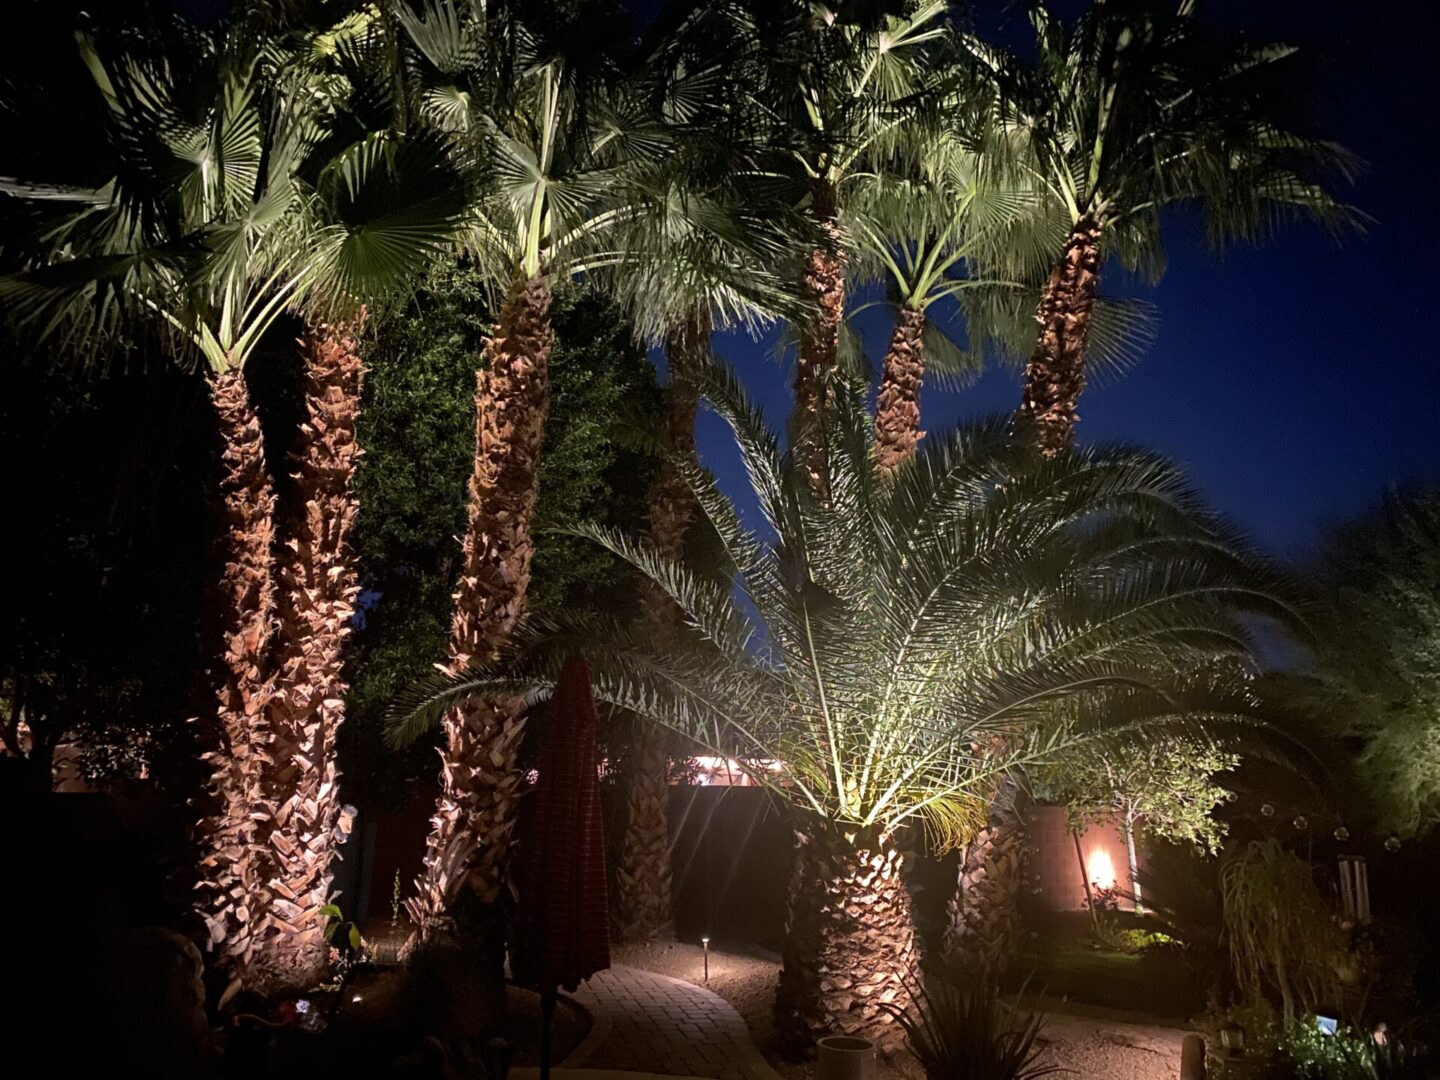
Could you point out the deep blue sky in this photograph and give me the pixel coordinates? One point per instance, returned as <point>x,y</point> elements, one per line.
<point>1294,381</point>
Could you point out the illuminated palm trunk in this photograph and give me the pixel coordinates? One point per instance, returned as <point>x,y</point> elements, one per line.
<point>897,408</point>
<point>318,586</point>
<point>983,914</point>
<point>232,893</point>
<point>823,288</point>
<point>479,782</point>
<point>1055,374</point>
<point>849,941</point>
<point>643,904</point>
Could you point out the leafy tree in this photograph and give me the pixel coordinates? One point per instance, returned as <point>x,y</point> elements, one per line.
<point>889,635</point>
<point>1375,680</point>
<point>1170,783</point>
<point>1126,111</point>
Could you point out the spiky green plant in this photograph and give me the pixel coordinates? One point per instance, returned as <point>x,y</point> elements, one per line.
<point>879,644</point>
<point>964,1032</point>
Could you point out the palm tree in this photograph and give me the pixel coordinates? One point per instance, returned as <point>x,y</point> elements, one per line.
<point>548,130</point>
<point>837,85</point>
<point>224,213</point>
<point>1128,111</point>
<point>698,254</point>
<point>957,229</point>
<point>901,628</point>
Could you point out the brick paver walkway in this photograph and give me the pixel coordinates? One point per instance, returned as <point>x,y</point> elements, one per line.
<point>650,1023</point>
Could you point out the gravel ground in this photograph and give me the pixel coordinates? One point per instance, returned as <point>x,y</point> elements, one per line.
<point>1091,1044</point>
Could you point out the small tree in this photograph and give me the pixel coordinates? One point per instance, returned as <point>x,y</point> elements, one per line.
<point>1170,783</point>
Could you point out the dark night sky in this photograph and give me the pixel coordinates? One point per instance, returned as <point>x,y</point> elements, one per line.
<point>1294,381</point>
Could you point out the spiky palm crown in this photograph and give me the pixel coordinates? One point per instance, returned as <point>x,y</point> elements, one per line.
<point>1130,109</point>
<point>891,650</point>
<point>248,178</point>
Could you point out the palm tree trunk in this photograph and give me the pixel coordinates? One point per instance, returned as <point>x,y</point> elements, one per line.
<point>1055,374</point>
<point>643,902</point>
<point>897,409</point>
<point>984,917</point>
<point>849,941</point>
<point>479,783</point>
<point>318,586</point>
<point>823,288</point>
<point>232,895</point>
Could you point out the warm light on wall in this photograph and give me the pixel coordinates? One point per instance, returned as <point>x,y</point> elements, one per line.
<point>1101,869</point>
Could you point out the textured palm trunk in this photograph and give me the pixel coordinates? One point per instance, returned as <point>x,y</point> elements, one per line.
<point>1055,374</point>
<point>983,923</point>
<point>849,942</point>
<point>823,287</point>
<point>232,894</point>
<point>643,906</point>
<point>319,582</point>
<point>479,783</point>
<point>897,408</point>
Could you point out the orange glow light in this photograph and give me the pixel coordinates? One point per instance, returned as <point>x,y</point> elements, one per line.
<point>1101,869</point>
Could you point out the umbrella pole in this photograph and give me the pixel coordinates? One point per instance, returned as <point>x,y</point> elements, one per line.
<point>547,1015</point>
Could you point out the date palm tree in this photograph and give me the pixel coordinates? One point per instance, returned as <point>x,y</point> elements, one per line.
<point>548,129</point>
<point>870,655</point>
<point>244,189</point>
<point>1130,110</point>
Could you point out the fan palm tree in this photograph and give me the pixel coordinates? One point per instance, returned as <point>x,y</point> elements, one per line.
<point>244,189</point>
<point>1128,111</point>
<point>903,627</point>
<point>549,130</point>
<point>698,254</point>
<point>836,86</point>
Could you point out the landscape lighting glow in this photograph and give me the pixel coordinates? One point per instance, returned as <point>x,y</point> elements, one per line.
<point>1101,869</point>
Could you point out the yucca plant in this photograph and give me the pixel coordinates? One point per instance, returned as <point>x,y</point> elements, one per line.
<point>1126,111</point>
<point>877,643</point>
<point>964,1032</point>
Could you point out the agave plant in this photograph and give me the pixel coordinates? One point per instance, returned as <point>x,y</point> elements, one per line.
<point>884,653</point>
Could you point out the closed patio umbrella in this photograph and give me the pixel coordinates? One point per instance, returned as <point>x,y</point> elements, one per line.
<point>563,916</point>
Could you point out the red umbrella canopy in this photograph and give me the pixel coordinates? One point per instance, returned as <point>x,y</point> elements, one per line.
<point>564,918</point>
